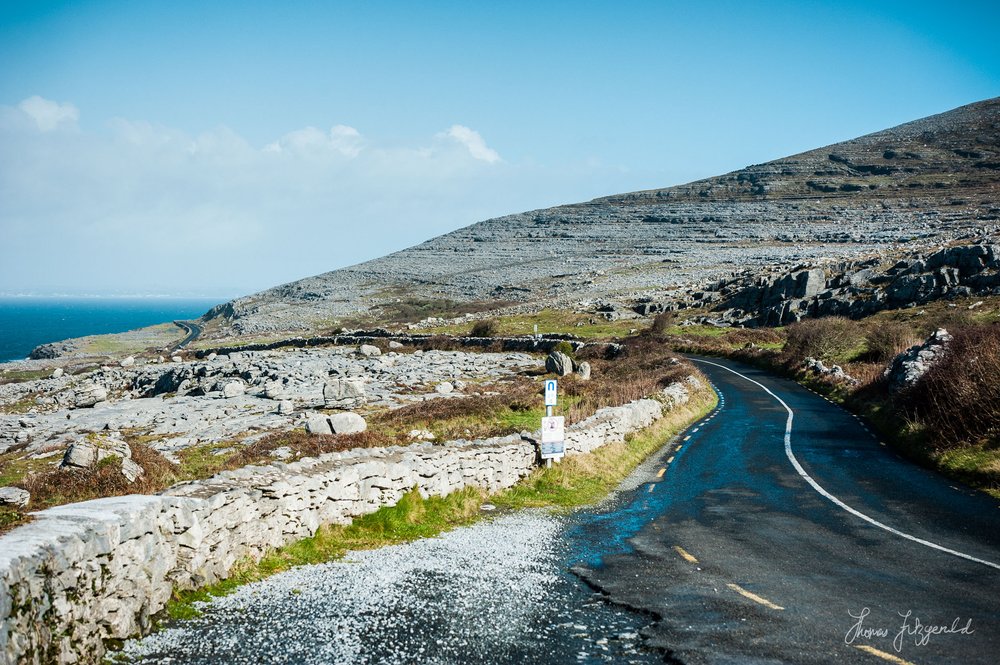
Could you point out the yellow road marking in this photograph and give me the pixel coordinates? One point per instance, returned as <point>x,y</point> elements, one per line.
<point>663,470</point>
<point>882,654</point>
<point>754,597</point>
<point>684,554</point>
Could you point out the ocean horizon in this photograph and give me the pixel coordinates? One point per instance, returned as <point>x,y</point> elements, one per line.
<point>27,321</point>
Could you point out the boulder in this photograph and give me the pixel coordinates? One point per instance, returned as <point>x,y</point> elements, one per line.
<point>81,454</point>
<point>347,423</point>
<point>57,372</point>
<point>393,344</point>
<point>559,363</point>
<point>131,470</point>
<point>908,367</point>
<point>127,362</point>
<point>444,388</point>
<point>233,389</point>
<point>369,351</point>
<point>583,371</point>
<point>282,453</point>
<point>344,393</point>
<point>836,372</point>
<point>176,359</point>
<point>14,496</point>
<point>212,356</point>
<point>88,395</point>
<point>317,423</point>
<point>286,407</point>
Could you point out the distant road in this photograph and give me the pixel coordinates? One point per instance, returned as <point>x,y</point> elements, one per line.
<point>193,331</point>
<point>781,521</point>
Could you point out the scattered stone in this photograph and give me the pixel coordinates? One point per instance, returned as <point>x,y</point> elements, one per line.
<point>317,423</point>
<point>393,344</point>
<point>176,359</point>
<point>233,389</point>
<point>583,371</point>
<point>131,470</point>
<point>369,351</point>
<point>14,496</point>
<point>347,423</point>
<point>286,407</point>
<point>128,361</point>
<point>88,395</point>
<point>81,454</point>
<point>444,388</point>
<point>559,363</point>
<point>421,435</point>
<point>57,372</point>
<point>282,453</point>
<point>836,372</point>
<point>344,393</point>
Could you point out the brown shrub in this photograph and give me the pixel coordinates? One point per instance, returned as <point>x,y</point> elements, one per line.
<point>958,399</point>
<point>887,339</point>
<point>485,328</point>
<point>103,479</point>
<point>829,338</point>
<point>662,322</point>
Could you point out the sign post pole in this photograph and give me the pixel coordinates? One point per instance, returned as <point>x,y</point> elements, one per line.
<point>553,427</point>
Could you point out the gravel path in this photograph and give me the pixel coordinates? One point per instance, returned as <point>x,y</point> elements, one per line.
<point>497,591</point>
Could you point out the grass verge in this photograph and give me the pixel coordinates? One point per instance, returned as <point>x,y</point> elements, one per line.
<point>577,481</point>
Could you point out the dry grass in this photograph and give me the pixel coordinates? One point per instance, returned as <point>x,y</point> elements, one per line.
<point>958,400</point>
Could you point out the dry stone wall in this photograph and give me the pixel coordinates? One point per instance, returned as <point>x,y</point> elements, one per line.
<point>96,570</point>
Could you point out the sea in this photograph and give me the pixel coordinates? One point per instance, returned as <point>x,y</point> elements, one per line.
<point>26,322</point>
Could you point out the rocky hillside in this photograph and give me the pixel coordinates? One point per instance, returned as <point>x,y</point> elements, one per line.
<point>921,183</point>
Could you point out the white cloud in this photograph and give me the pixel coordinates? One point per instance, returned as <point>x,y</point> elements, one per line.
<point>49,115</point>
<point>346,141</point>
<point>144,207</point>
<point>473,142</point>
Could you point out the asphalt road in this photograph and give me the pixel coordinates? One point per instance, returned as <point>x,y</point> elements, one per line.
<point>851,557</point>
<point>193,331</point>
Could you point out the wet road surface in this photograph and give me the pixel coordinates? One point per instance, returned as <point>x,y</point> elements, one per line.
<point>850,556</point>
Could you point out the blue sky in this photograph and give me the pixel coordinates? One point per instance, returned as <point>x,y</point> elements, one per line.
<point>237,145</point>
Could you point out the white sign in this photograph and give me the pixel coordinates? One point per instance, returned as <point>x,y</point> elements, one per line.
<point>553,436</point>
<point>551,392</point>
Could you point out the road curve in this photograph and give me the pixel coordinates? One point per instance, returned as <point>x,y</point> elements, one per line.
<point>780,529</point>
<point>193,331</point>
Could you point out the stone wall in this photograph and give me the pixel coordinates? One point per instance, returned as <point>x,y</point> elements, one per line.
<point>86,572</point>
<point>544,344</point>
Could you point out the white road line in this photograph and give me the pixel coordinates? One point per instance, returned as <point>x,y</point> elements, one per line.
<point>816,486</point>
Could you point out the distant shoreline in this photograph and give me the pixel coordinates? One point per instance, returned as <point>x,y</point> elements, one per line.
<point>28,321</point>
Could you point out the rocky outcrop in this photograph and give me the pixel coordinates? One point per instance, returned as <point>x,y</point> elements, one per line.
<point>853,289</point>
<point>83,573</point>
<point>908,367</point>
<point>834,372</point>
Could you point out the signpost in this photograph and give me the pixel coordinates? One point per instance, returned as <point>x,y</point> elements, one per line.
<point>553,437</point>
<point>553,427</point>
<point>551,395</point>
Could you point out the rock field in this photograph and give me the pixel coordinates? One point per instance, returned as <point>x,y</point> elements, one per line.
<point>237,396</point>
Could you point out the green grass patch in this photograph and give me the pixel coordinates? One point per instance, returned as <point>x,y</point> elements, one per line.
<point>20,376</point>
<point>585,479</point>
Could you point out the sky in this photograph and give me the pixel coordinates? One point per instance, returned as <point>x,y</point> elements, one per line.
<point>217,149</point>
